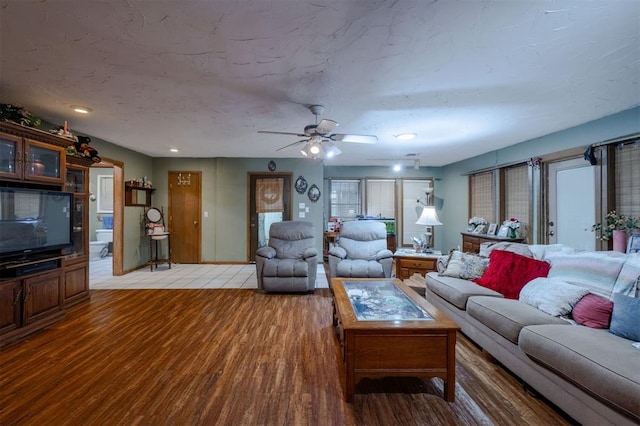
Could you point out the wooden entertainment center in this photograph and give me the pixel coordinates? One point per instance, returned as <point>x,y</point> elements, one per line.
<point>36,289</point>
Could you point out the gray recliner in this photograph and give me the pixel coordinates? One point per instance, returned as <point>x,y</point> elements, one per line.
<point>361,251</point>
<point>290,262</point>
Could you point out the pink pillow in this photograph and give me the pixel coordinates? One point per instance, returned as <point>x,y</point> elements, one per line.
<point>593,311</point>
<point>508,272</point>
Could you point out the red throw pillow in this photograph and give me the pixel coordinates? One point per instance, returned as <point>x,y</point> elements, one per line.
<point>593,311</point>
<point>508,272</point>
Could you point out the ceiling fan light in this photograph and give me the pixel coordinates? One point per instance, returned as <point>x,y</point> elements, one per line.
<point>315,148</point>
<point>332,151</point>
<point>305,151</point>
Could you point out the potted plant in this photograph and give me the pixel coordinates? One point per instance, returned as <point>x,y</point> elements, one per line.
<point>616,228</point>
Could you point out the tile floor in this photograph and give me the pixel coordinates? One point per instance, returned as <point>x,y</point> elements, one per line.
<point>180,276</point>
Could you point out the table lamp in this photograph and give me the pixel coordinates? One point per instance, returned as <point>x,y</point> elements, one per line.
<point>429,218</point>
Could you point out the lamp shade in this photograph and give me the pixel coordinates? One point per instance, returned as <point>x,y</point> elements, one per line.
<point>429,217</point>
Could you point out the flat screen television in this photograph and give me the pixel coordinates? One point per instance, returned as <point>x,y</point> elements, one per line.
<point>34,221</point>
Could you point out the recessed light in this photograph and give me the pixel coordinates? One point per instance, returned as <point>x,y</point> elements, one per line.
<point>406,136</point>
<point>81,109</point>
<point>174,149</point>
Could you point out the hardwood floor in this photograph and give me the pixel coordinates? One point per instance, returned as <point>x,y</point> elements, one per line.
<point>230,357</point>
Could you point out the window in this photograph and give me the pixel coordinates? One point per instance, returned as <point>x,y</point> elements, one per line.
<point>381,198</point>
<point>481,196</point>
<point>627,180</point>
<point>345,198</point>
<point>517,195</point>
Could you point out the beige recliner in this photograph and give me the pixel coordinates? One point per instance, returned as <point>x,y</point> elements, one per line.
<point>289,262</point>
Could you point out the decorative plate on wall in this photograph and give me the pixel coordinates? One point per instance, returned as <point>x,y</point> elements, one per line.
<point>301,185</point>
<point>272,166</point>
<point>314,193</point>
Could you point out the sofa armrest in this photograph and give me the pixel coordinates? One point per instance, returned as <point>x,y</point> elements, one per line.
<point>266,252</point>
<point>309,252</point>
<point>338,252</point>
<point>383,254</point>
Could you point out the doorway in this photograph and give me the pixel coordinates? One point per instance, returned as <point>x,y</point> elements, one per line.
<point>269,202</point>
<point>572,204</point>
<point>185,205</point>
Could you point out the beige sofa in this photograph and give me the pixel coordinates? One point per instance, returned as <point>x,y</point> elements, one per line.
<point>591,374</point>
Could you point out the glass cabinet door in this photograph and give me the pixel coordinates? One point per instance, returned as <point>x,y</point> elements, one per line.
<point>42,161</point>
<point>10,156</point>
<point>75,181</point>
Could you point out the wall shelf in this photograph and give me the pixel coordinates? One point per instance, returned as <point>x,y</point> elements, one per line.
<point>137,196</point>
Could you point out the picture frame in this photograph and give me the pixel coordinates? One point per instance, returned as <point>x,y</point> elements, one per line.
<point>633,244</point>
<point>479,229</point>
<point>503,231</point>
<point>493,227</point>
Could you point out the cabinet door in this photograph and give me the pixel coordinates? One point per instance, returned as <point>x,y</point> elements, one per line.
<point>10,156</point>
<point>76,283</point>
<point>43,162</point>
<point>10,305</point>
<point>42,296</point>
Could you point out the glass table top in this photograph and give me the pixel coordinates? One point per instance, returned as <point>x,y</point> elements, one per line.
<point>382,301</point>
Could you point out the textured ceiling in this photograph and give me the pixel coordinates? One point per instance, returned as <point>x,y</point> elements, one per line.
<point>204,76</point>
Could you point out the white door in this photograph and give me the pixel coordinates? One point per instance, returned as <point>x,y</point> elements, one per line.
<point>572,204</point>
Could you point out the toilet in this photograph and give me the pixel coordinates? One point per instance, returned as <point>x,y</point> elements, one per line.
<point>98,250</point>
<point>104,239</point>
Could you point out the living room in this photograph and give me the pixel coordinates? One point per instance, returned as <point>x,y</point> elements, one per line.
<point>156,357</point>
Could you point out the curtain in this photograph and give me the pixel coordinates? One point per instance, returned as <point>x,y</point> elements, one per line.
<point>269,195</point>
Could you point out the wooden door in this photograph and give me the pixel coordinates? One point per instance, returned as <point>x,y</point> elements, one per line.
<point>185,205</point>
<point>260,218</point>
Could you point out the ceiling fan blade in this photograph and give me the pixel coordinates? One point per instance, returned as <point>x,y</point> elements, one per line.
<point>282,133</point>
<point>325,126</point>
<point>354,138</point>
<point>292,144</point>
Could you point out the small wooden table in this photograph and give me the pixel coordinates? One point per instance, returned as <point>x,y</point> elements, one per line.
<point>410,262</point>
<point>391,347</point>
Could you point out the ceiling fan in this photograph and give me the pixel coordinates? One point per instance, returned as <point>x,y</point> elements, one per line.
<point>318,139</point>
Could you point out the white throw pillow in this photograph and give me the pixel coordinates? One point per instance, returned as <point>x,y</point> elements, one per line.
<point>551,295</point>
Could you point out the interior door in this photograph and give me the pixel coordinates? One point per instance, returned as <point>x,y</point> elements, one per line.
<point>185,205</point>
<point>269,202</point>
<point>572,204</point>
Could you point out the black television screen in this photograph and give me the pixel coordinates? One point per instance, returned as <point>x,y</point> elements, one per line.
<point>34,220</point>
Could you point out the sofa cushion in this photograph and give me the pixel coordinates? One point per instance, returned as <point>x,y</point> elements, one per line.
<point>551,295</point>
<point>628,281</point>
<point>596,361</point>
<point>507,317</point>
<point>509,272</point>
<point>456,290</point>
<point>465,265</point>
<point>597,271</point>
<point>487,247</point>
<point>625,319</point>
<point>359,268</point>
<point>593,311</point>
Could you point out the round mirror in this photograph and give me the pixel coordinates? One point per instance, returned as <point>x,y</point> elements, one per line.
<point>154,215</point>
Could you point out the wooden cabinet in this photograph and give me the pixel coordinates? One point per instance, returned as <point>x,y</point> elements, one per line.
<point>24,155</point>
<point>30,303</point>
<point>76,263</point>
<point>471,242</point>
<point>36,289</point>
<point>408,264</point>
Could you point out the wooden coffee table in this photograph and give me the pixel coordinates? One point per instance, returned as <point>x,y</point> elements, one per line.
<point>408,337</point>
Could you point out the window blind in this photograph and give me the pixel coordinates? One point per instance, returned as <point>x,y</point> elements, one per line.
<point>627,180</point>
<point>269,195</point>
<point>345,198</point>
<point>381,197</point>
<point>482,198</point>
<point>517,195</point>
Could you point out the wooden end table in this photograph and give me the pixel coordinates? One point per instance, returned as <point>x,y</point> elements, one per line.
<point>394,341</point>
<point>410,262</point>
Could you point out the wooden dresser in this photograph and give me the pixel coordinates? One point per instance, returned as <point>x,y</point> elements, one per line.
<point>471,242</point>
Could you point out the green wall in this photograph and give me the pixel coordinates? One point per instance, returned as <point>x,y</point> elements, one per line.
<point>224,186</point>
